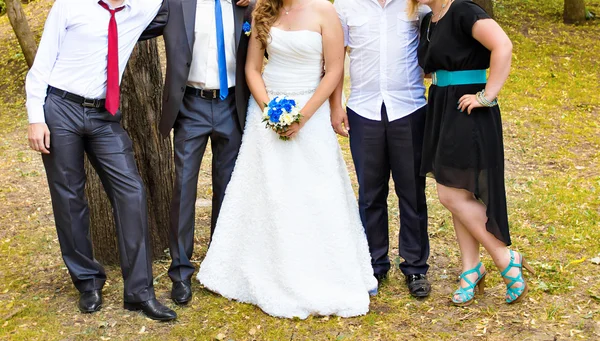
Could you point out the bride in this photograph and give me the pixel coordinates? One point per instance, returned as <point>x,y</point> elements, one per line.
<point>289,237</point>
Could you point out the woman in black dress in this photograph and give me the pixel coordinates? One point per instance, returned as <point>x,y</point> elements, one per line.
<point>463,146</point>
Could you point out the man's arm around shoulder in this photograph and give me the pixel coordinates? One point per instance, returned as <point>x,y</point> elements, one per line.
<point>157,26</point>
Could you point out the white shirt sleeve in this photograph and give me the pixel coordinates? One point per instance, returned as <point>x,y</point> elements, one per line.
<point>36,83</point>
<point>341,14</point>
<point>153,9</point>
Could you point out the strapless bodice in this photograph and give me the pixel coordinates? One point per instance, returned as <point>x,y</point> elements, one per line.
<point>295,61</point>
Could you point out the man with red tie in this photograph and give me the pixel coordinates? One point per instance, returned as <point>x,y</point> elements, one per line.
<point>73,107</point>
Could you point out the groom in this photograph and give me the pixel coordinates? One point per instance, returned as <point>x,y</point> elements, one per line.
<point>386,120</point>
<point>205,96</point>
<point>73,97</point>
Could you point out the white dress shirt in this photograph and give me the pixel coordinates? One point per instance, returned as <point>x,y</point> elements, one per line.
<point>204,72</point>
<point>384,67</point>
<point>74,48</point>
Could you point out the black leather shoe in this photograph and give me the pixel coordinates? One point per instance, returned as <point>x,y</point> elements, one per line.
<point>181,292</point>
<point>418,285</point>
<point>152,309</point>
<point>90,301</point>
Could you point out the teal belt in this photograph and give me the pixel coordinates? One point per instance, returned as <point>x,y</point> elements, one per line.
<point>447,78</point>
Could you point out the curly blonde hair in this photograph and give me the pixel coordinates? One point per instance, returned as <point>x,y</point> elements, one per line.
<point>264,15</point>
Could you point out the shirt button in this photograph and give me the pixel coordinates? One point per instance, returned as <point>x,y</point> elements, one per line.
<point>182,89</point>
<point>188,64</point>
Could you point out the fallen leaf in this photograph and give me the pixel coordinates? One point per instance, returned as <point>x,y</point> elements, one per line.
<point>220,336</point>
<point>142,330</point>
<point>575,262</point>
<point>595,260</point>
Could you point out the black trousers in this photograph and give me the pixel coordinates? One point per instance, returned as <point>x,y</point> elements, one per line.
<point>198,120</point>
<point>76,131</point>
<point>379,147</point>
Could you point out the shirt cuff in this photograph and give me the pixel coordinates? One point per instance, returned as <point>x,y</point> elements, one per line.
<point>36,114</point>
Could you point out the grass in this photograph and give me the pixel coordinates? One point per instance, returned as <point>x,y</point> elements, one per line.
<point>551,110</point>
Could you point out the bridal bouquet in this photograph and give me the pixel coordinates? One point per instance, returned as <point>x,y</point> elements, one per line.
<point>281,113</point>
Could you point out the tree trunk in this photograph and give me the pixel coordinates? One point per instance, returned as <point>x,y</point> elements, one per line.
<point>18,21</point>
<point>488,6</point>
<point>141,106</point>
<point>574,12</point>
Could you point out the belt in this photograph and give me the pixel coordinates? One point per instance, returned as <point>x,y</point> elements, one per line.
<point>205,94</point>
<point>84,102</point>
<point>464,77</point>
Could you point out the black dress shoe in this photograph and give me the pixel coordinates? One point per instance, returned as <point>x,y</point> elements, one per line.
<point>90,301</point>
<point>152,309</point>
<point>181,292</point>
<point>418,285</point>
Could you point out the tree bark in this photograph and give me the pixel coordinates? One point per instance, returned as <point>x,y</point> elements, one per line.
<point>18,21</point>
<point>488,6</point>
<point>141,106</point>
<point>574,12</point>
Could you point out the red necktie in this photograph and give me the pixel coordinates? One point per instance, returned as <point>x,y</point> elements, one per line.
<point>113,92</point>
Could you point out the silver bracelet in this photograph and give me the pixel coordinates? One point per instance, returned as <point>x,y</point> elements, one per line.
<point>480,96</point>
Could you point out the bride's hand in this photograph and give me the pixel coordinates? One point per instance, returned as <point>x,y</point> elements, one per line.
<point>293,130</point>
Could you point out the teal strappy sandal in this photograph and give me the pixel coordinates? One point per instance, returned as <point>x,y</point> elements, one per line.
<point>516,294</point>
<point>466,295</point>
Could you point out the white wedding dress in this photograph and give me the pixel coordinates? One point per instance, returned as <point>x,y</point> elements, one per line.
<point>289,237</point>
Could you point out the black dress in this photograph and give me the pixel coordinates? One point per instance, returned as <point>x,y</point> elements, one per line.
<point>460,150</point>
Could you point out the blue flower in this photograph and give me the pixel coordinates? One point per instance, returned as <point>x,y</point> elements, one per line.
<point>274,117</point>
<point>247,28</point>
<point>277,106</point>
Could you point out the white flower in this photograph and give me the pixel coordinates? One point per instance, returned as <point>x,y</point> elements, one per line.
<point>287,119</point>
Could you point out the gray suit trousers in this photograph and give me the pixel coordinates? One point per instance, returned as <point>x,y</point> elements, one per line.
<point>198,120</point>
<point>76,131</point>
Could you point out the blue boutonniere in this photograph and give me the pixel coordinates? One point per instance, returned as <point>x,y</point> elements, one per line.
<point>247,28</point>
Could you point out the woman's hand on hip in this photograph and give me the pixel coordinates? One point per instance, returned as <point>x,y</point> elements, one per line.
<point>468,103</point>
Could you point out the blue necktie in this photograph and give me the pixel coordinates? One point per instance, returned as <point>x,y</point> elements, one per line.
<point>221,51</point>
